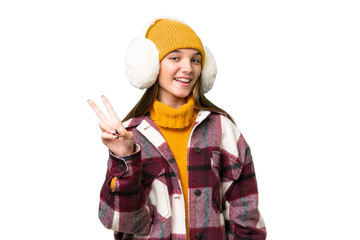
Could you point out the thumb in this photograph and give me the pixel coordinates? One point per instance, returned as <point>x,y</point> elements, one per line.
<point>125,134</point>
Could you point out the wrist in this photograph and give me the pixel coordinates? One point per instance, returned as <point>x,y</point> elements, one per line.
<point>125,153</point>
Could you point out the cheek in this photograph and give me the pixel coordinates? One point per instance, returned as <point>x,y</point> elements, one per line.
<point>167,69</point>
<point>198,72</point>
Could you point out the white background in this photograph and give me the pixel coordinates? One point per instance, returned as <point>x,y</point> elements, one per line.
<point>288,73</point>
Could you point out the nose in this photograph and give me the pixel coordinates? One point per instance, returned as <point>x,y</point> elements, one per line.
<point>186,66</point>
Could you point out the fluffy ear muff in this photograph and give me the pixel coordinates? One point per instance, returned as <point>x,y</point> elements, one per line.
<point>142,63</point>
<point>208,72</point>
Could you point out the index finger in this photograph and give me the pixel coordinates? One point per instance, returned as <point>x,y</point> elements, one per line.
<point>97,110</point>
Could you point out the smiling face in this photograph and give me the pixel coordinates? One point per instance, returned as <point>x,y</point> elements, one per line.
<point>179,71</point>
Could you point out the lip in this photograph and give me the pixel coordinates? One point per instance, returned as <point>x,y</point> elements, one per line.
<point>183,83</point>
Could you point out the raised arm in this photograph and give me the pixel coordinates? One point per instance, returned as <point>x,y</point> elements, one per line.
<point>124,207</point>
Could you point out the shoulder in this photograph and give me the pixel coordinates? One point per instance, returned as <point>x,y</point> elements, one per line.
<point>230,133</point>
<point>233,141</point>
<point>225,122</point>
<point>219,120</point>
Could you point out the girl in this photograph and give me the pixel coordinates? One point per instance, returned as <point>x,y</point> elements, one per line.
<point>178,167</point>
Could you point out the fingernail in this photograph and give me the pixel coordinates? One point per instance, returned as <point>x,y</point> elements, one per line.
<point>116,131</point>
<point>116,136</point>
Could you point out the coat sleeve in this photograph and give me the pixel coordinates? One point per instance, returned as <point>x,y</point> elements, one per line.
<point>125,208</point>
<point>239,187</point>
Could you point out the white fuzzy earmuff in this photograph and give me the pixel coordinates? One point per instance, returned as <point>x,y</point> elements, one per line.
<point>208,73</point>
<point>142,63</point>
<point>143,67</point>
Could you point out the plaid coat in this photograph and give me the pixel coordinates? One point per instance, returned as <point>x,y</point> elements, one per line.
<point>147,201</point>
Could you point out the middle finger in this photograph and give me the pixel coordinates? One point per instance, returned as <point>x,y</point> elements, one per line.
<point>109,108</point>
<point>98,111</point>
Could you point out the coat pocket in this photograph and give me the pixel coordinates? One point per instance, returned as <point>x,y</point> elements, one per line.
<point>216,163</point>
<point>216,185</point>
<point>154,183</point>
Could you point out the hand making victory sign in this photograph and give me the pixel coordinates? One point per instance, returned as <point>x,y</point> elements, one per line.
<point>114,135</point>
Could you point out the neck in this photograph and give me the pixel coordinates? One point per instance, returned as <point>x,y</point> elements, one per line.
<point>174,102</point>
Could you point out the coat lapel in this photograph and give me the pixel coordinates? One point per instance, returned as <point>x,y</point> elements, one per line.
<point>203,114</point>
<point>149,130</point>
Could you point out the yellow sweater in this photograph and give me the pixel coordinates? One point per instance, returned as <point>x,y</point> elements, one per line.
<point>175,125</point>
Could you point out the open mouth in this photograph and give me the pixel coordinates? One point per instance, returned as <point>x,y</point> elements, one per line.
<point>183,80</point>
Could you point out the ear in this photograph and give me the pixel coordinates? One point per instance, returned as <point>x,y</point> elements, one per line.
<point>209,71</point>
<point>142,63</point>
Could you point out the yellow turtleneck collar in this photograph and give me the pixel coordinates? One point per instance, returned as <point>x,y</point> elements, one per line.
<point>168,117</point>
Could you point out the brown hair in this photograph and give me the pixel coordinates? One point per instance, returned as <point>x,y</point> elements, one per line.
<point>142,108</point>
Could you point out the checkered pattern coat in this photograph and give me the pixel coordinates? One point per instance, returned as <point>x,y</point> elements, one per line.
<point>147,201</point>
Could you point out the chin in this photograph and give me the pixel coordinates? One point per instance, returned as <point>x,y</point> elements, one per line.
<point>182,95</point>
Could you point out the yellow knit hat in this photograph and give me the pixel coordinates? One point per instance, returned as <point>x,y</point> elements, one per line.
<point>169,35</point>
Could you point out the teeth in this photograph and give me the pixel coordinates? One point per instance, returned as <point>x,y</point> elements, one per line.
<point>183,80</point>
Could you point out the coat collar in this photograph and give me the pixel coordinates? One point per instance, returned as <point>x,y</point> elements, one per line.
<point>134,122</point>
<point>146,126</point>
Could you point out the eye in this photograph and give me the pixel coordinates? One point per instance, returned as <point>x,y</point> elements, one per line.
<point>174,58</point>
<point>195,60</point>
